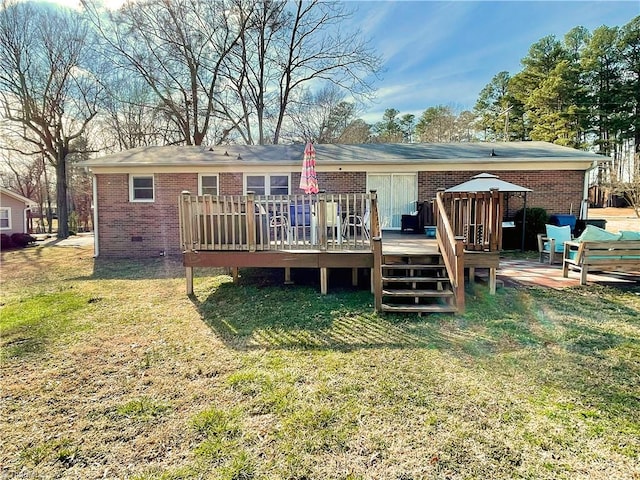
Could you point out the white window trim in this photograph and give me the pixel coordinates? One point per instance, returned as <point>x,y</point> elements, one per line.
<point>8,210</point>
<point>267,183</point>
<point>200,175</point>
<point>142,200</point>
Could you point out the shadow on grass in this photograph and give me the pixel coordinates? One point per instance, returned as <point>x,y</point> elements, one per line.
<point>260,312</point>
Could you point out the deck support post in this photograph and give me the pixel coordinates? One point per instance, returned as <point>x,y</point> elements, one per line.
<point>234,274</point>
<point>323,280</point>
<point>492,280</point>
<point>287,276</point>
<point>376,277</point>
<point>354,276</point>
<point>189,275</point>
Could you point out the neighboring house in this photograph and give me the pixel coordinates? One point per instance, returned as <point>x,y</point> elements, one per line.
<point>14,212</point>
<point>136,191</point>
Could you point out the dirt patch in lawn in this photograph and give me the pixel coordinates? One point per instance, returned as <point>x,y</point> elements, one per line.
<point>617,218</point>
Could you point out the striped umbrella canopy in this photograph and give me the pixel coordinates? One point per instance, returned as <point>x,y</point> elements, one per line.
<point>309,179</point>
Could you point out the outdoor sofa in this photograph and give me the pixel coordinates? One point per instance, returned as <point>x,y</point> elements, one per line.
<point>597,250</point>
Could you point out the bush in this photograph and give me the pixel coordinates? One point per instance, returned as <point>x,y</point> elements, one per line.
<point>6,242</point>
<point>22,239</point>
<point>536,219</point>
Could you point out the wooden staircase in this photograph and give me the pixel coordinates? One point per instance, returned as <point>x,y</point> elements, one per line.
<point>416,283</point>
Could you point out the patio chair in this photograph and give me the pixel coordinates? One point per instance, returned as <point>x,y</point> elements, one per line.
<point>551,243</point>
<point>279,226</point>
<point>354,222</point>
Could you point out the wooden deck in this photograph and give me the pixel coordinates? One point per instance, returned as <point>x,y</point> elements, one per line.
<point>397,243</point>
<point>342,231</point>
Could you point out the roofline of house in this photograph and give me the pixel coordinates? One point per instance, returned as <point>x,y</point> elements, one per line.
<point>241,157</point>
<point>28,202</point>
<point>492,165</point>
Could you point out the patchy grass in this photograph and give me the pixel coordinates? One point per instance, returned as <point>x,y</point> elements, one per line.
<point>110,371</point>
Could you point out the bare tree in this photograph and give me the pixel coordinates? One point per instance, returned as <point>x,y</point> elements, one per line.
<point>132,117</point>
<point>178,47</point>
<point>251,70</point>
<point>627,183</point>
<point>48,93</point>
<point>28,176</point>
<point>358,131</point>
<point>285,49</point>
<point>320,117</point>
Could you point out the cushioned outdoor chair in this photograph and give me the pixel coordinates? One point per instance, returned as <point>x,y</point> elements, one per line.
<point>551,244</point>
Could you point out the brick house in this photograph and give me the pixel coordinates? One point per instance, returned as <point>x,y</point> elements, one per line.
<point>14,212</point>
<point>136,191</point>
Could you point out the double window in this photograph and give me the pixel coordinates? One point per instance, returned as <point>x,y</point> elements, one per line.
<point>268,184</point>
<point>141,188</point>
<point>208,184</point>
<point>5,218</point>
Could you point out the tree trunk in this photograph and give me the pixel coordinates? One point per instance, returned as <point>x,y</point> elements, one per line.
<point>61,194</point>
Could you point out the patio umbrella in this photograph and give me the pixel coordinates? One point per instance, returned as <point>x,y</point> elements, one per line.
<point>309,179</point>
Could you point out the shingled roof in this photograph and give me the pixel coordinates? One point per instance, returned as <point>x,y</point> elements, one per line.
<point>333,154</point>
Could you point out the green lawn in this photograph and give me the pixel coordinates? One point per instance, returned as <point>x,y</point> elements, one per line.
<point>110,371</point>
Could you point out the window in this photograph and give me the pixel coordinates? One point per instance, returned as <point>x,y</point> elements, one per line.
<point>279,184</point>
<point>141,188</point>
<point>275,184</point>
<point>208,185</point>
<point>5,218</point>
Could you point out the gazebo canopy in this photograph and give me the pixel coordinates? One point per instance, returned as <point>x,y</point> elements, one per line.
<point>485,182</point>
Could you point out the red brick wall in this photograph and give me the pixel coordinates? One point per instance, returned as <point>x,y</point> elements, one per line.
<point>138,229</point>
<point>338,182</point>
<point>230,184</point>
<point>555,191</point>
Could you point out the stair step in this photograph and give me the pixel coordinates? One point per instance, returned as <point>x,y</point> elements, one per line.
<point>415,258</point>
<point>417,293</point>
<point>413,266</point>
<point>415,279</point>
<point>435,308</point>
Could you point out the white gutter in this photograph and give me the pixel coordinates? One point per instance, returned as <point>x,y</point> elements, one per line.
<point>584,207</point>
<point>25,220</point>
<point>96,247</point>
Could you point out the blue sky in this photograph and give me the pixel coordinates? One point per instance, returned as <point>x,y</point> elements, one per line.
<point>444,53</point>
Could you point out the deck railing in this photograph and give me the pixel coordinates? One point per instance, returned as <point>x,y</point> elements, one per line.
<point>252,222</point>
<point>452,250</point>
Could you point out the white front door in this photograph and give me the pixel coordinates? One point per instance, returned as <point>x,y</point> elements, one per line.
<point>397,195</point>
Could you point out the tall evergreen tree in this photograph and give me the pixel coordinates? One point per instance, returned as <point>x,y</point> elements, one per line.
<point>499,112</point>
<point>389,129</point>
<point>436,124</point>
<point>602,67</point>
<point>629,46</point>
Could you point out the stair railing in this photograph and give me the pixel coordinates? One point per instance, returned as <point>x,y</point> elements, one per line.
<point>452,250</point>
